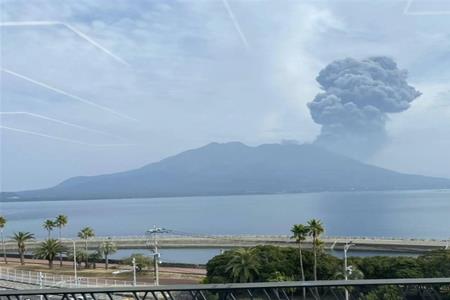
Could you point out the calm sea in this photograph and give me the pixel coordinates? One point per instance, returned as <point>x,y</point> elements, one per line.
<point>420,214</point>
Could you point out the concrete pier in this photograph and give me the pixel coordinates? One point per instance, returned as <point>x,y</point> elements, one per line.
<point>235,241</point>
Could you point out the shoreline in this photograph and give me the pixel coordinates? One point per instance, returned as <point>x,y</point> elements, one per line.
<point>2,200</point>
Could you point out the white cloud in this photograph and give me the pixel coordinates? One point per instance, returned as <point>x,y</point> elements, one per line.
<point>191,82</point>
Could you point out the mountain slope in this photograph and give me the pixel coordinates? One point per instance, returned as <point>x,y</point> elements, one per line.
<point>234,168</point>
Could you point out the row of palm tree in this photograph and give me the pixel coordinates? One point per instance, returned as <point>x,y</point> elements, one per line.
<point>314,228</point>
<point>50,248</point>
<point>59,222</point>
<point>244,265</point>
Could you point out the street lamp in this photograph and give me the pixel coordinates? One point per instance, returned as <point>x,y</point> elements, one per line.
<point>156,255</point>
<point>347,269</point>
<point>134,271</point>
<point>75,262</point>
<point>3,246</point>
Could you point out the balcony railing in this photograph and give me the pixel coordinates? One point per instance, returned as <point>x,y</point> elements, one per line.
<point>422,288</point>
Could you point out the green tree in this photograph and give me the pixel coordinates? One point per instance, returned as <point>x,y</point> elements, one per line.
<point>2,226</point>
<point>388,267</point>
<point>85,234</point>
<point>315,230</point>
<point>48,225</point>
<point>60,222</point>
<point>142,261</point>
<point>355,274</point>
<point>299,233</point>
<point>279,277</point>
<point>105,249</point>
<point>216,268</point>
<point>94,258</point>
<point>273,259</point>
<point>244,265</point>
<point>22,238</point>
<point>385,293</point>
<point>81,256</point>
<point>48,250</point>
<point>435,263</point>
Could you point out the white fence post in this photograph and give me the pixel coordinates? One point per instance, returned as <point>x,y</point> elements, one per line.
<point>56,280</point>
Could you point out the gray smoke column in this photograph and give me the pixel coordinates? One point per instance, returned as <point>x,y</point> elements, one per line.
<point>357,98</point>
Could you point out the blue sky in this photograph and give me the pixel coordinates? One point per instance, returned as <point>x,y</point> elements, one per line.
<point>113,85</point>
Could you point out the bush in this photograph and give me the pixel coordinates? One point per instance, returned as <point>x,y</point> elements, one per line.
<point>435,263</point>
<point>283,262</point>
<point>142,261</point>
<point>388,267</point>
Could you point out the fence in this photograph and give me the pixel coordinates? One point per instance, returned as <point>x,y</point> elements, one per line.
<point>59,281</point>
<point>410,289</point>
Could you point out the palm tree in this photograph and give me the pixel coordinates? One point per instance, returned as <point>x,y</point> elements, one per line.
<point>315,230</point>
<point>60,222</point>
<point>107,248</point>
<point>21,238</point>
<point>81,256</point>
<point>48,225</point>
<point>48,250</point>
<point>85,234</point>
<point>94,258</point>
<point>244,265</point>
<point>2,225</point>
<point>300,232</point>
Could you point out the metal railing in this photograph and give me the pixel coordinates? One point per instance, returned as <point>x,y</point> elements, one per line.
<point>421,288</point>
<point>59,281</point>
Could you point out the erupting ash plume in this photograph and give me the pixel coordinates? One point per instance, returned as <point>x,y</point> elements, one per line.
<point>357,97</point>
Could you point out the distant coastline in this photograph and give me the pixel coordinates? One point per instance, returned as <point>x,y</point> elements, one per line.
<point>236,169</point>
<point>227,195</point>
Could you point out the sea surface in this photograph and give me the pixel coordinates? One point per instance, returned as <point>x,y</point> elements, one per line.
<point>417,214</point>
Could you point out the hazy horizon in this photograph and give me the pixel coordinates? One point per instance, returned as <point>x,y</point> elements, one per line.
<point>94,87</point>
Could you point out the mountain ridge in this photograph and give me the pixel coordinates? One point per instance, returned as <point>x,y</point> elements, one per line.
<point>235,168</point>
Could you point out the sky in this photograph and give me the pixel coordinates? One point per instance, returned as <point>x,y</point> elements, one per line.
<point>93,87</point>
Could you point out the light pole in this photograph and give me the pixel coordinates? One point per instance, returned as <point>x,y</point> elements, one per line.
<point>41,283</point>
<point>156,255</point>
<point>75,262</point>
<point>3,246</point>
<point>134,271</point>
<point>346,267</point>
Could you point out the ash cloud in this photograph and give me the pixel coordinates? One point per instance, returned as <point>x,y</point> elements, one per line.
<point>357,98</point>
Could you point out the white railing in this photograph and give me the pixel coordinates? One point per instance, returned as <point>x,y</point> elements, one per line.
<point>54,280</point>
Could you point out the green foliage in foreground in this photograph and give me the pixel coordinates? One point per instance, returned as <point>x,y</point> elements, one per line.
<point>264,263</point>
<point>272,262</point>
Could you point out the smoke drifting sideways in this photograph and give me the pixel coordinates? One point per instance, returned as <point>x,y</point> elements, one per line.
<point>357,98</point>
